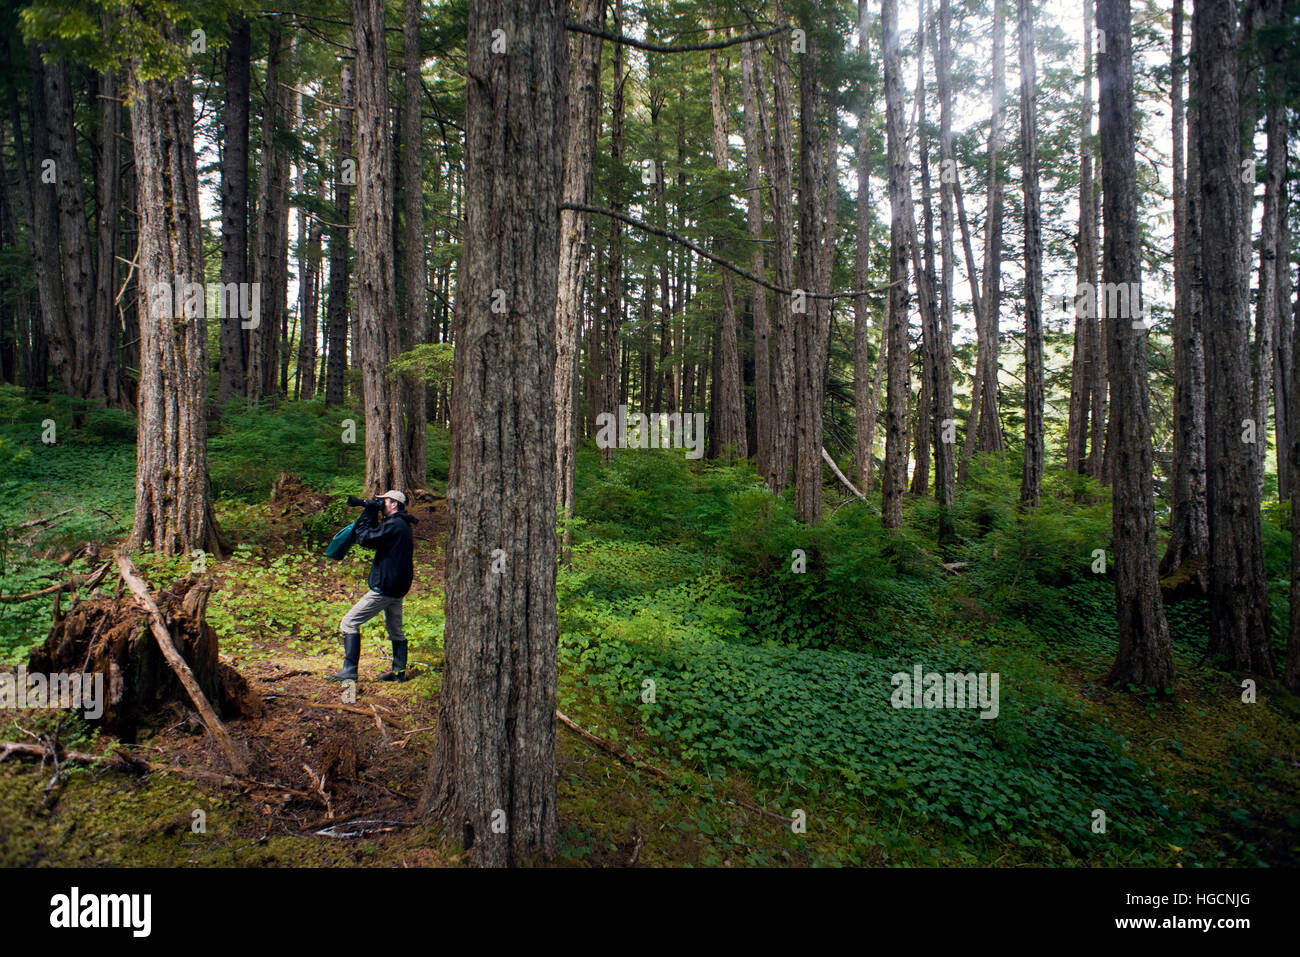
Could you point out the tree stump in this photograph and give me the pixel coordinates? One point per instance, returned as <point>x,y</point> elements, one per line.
<point>110,636</point>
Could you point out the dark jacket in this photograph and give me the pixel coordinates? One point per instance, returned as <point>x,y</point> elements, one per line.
<point>394,545</point>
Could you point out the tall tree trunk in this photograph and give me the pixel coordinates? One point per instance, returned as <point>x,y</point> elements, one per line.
<point>344,177</point>
<point>1145,656</point>
<point>413,398</point>
<point>1097,332</point>
<point>108,182</point>
<point>173,502</point>
<point>1239,610</point>
<point>579,156</point>
<point>1031,485</point>
<point>386,465</point>
<point>926,426</point>
<point>1282,369</point>
<point>945,478</point>
<point>492,776</point>
<point>1292,453</point>
<point>818,189</point>
<point>755,127</point>
<point>308,233</point>
<point>894,476</point>
<point>731,404</point>
<point>1272,258</point>
<point>74,235</point>
<point>41,208</point>
<point>989,432</point>
<point>614,283</point>
<point>781,178</point>
<point>864,400</point>
<point>234,207</point>
<point>264,337</point>
<point>1189,529</point>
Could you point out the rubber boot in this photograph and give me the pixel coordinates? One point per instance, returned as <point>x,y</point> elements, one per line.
<point>351,658</point>
<point>398,670</point>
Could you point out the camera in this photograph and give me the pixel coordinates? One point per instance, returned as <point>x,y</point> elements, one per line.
<point>374,503</point>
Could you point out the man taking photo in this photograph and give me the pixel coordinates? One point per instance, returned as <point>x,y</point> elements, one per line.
<point>385,527</point>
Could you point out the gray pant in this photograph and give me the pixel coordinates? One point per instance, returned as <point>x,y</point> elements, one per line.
<point>371,604</point>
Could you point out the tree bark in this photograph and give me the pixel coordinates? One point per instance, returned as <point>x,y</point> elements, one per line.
<point>492,776</point>
<point>731,404</point>
<point>945,478</point>
<point>264,338</point>
<point>894,476</point>
<point>344,177</point>
<point>105,367</point>
<point>173,502</point>
<point>579,155</point>
<point>818,187</point>
<point>1239,609</point>
<point>1145,656</point>
<point>781,178</point>
<point>864,400</point>
<point>614,283</point>
<point>414,422</point>
<point>988,434</point>
<point>1189,530</point>
<point>232,368</point>
<point>1031,485</point>
<point>377,346</point>
<point>755,127</point>
<point>74,236</point>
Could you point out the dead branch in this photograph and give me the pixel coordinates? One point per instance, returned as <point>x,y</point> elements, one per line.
<point>610,748</point>
<point>158,625</point>
<point>90,580</point>
<point>725,264</point>
<point>676,48</point>
<point>344,707</point>
<point>124,762</point>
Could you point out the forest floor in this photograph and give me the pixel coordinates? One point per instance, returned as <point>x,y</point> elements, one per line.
<point>744,716</point>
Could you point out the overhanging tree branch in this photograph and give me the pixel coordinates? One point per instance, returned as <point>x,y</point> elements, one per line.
<point>677,48</point>
<point>726,264</point>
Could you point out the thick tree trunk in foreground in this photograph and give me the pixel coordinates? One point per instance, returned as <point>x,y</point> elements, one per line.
<point>413,400</point>
<point>234,208</point>
<point>894,476</point>
<point>1031,485</point>
<point>344,177</point>
<point>1145,657</point>
<point>1189,529</point>
<point>579,155</point>
<point>1239,610</point>
<point>492,776</point>
<point>173,503</point>
<point>377,322</point>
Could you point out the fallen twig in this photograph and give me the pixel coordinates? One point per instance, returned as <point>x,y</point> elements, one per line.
<point>610,748</point>
<point>89,580</point>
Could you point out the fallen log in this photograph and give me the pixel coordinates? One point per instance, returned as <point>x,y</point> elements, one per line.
<point>158,625</point>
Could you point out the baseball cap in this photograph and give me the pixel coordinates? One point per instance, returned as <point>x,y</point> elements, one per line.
<point>395,495</point>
